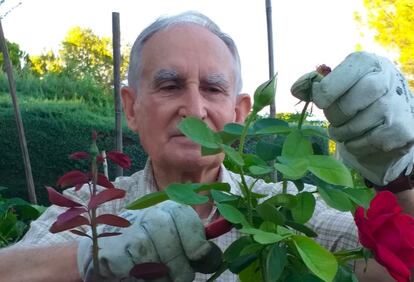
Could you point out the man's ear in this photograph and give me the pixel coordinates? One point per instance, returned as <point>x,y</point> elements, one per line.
<point>129,97</point>
<point>243,107</point>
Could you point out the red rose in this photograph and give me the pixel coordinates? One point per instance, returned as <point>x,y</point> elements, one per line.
<point>389,234</point>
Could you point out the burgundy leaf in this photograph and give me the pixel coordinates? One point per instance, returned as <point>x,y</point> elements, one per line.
<point>108,234</point>
<point>80,233</point>
<point>149,270</point>
<point>217,228</point>
<point>60,200</point>
<point>71,213</point>
<point>73,178</point>
<point>112,220</point>
<point>78,186</point>
<point>104,182</point>
<point>120,159</point>
<point>79,156</point>
<point>59,226</point>
<point>105,196</point>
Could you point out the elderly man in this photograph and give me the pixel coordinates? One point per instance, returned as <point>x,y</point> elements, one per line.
<point>185,66</point>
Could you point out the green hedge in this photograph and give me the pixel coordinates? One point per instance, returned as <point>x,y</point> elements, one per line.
<point>55,129</point>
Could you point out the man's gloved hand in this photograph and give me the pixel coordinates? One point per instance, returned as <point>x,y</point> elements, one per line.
<point>169,233</point>
<point>371,113</point>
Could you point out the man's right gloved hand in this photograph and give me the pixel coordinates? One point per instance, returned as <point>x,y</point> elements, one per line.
<point>169,233</point>
<point>371,113</point>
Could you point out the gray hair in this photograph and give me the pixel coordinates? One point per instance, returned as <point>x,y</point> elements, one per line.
<point>190,17</point>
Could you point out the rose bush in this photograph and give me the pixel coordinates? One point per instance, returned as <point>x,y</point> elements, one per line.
<point>389,234</point>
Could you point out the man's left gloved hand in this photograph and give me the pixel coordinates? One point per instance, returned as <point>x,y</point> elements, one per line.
<point>167,233</point>
<point>371,113</point>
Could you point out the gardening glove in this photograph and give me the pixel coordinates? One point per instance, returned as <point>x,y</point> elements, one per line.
<point>168,233</point>
<point>371,113</point>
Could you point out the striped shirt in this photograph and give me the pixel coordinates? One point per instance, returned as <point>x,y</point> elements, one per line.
<point>336,230</point>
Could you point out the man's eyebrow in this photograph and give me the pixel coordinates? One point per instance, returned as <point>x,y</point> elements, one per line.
<point>166,74</point>
<point>218,79</point>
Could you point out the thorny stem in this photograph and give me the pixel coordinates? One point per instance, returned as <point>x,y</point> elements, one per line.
<point>284,187</point>
<point>95,246</point>
<point>303,115</point>
<point>244,185</point>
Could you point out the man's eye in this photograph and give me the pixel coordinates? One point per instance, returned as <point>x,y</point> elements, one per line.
<point>214,90</point>
<point>169,87</point>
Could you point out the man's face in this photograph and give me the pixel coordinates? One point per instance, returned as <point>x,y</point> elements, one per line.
<point>186,71</point>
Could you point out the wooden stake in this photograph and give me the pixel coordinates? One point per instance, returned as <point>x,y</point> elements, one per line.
<point>20,128</point>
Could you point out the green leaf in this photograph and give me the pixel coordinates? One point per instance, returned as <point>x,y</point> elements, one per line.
<point>268,226</point>
<point>208,151</point>
<point>269,213</point>
<point>260,170</point>
<point>184,194</point>
<point>198,131</point>
<point>301,228</point>
<point>251,160</point>
<point>296,145</point>
<point>235,129</point>
<point>199,187</point>
<point>315,131</point>
<point>302,277</point>
<point>264,123</point>
<point>299,184</point>
<point>267,151</point>
<point>292,168</point>
<point>334,197</point>
<point>220,197</point>
<point>305,207</point>
<point>240,263</point>
<point>232,214</point>
<point>273,130</point>
<point>276,260</point>
<point>319,260</point>
<point>236,247</point>
<point>233,155</point>
<point>263,237</point>
<point>282,200</point>
<point>345,274</point>
<point>330,170</point>
<point>360,196</point>
<point>251,273</point>
<point>148,200</point>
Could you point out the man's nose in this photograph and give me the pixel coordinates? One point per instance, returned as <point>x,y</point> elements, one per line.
<point>193,104</point>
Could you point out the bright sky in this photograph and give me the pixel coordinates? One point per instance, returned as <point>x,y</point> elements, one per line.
<point>306,33</point>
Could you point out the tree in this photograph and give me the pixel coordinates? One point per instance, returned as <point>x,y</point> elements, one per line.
<point>16,55</point>
<point>86,54</point>
<point>393,23</point>
<point>44,63</point>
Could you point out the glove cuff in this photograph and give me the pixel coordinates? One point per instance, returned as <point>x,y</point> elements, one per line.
<point>402,183</point>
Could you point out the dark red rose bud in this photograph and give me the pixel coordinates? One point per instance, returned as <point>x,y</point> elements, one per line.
<point>120,159</point>
<point>323,70</point>
<point>79,156</point>
<point>94,135</point>
<point>217,228</point>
